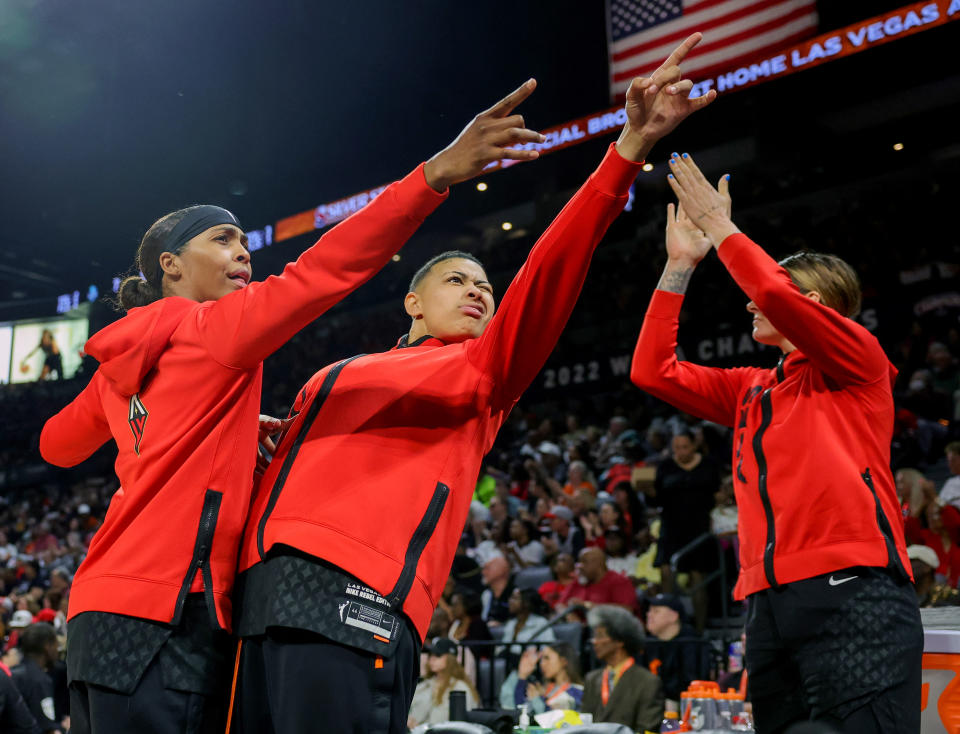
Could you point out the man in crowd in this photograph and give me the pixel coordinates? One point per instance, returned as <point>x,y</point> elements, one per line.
<point>40,651</point>
<point>496,597</point>
<point>598,585</point>
<point>621,691</point>
<point>674,651</point>
<point>566,537</point>
<point>924,562</point>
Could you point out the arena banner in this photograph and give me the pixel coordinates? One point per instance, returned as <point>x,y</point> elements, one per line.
<point>812,52</point>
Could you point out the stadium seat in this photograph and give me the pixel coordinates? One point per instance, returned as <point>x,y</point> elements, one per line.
<point>532,577</point>
<point>490,691</point>
<point>571,632</point>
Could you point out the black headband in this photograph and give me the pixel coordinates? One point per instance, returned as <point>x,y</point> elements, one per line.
<point>198,219</point>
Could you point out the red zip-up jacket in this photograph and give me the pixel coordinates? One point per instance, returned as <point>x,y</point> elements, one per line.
<point>178,389</point>
<point>376,473</point>
<point>811,463</point>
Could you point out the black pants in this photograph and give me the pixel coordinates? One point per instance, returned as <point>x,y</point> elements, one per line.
<point>843,648</point>
<point>293,681</point>
<point>150,709</point>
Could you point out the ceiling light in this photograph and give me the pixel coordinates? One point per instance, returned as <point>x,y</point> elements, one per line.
<point>481,186</point>
<point>648,167</point>
<point>898,146</point>
<point>506,226</point>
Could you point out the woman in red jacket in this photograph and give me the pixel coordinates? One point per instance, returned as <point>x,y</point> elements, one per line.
<point>832,623</point>
<point>355,524</point>
<point>178,390</point>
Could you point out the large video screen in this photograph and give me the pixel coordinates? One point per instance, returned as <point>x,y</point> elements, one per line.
<point>6,341</point>
<point>42,350</point>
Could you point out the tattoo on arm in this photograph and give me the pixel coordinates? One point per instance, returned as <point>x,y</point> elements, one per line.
<point>675,280</point>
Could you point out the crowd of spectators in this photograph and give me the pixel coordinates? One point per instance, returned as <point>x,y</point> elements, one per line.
<point>580,507</point>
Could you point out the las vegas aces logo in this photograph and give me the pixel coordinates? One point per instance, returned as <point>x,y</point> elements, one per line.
<point>137,418</point>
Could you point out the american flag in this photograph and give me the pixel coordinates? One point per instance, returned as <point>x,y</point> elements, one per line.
<point>644,32</point>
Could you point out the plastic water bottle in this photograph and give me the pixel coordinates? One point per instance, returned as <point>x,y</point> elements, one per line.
<point>671,721</point>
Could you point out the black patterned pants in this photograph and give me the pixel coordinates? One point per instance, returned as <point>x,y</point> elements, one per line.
<point>843,648</point>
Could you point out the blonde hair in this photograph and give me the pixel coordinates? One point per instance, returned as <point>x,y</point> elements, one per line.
<point>833,278</point>
<point>452,672</point>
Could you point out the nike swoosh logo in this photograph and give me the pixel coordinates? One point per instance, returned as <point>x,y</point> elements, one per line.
<point>837,582</point>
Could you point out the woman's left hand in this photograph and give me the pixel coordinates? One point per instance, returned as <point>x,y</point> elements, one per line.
<point>708,208</point>
<point>534,690</point>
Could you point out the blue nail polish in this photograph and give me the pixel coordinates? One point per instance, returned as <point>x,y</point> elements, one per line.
<point>673,155</point>
<point>727,177</point>
<point>669,175</point>
<point>685,155</point>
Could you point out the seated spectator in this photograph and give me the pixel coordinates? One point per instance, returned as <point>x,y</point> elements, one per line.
<point>523,549</point>
<point>562,566</point>
<point>631,507</point>
<point>674,652</point>
<point>598,585</point>
<point>39,646</point>
<point>924,562</point>
<point>465,570</point>
<point>578,477</point>
<point>621,692</point>
<point>940,535</point>
<point>466,608</point>
<point>560,687</point>
<point>619,558</point>
<point>609,444</point>
<point>566,538</point>
<point>525,620</point>
<point>496,597</point>
<point>431,699</point>
<point>950,492</point>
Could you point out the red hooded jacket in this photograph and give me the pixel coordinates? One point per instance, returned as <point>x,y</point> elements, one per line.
<point>812,444</point>
<point>376,473</point>
<point>178,389</point>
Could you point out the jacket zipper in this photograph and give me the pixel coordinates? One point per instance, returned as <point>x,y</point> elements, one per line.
<point>766,417</point>
<point>322,394</point>
<point>201,558</point>
<point>883,524</point>
<point>423,533</point>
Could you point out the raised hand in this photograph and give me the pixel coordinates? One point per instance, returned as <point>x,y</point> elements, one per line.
<point>658,103</point>
<point>686,242</point>
<point>528,663</point>
<point>487,138</point>
<point>707,207</point>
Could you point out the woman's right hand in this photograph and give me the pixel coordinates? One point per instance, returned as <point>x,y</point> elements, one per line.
<point>487,138</point>
<point>528,663</point>
<point>686,243</point>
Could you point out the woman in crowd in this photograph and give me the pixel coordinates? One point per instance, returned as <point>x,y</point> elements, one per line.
<point>445,674</point>
<point>560,686</point>
<point>467,623</point>
<point>178,391</point>
<point>523,549</point>
<point>398,438</point>
<point>823,559</point>
<point>684,489</point>
<point>526,621</point>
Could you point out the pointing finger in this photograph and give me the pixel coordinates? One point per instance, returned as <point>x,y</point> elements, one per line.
<point>506,105</point>
<point>681,51</point>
